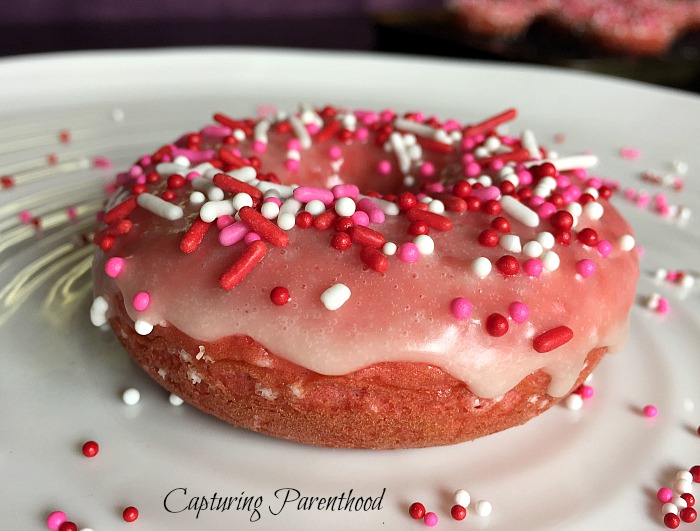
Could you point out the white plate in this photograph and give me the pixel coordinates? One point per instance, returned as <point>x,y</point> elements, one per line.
<point>598,468</point>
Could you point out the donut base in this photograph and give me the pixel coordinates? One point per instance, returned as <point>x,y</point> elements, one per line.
<point>385,406</point>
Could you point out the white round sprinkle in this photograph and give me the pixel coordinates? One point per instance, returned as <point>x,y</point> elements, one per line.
<point>98,311</point>
<point>286,221</point>
<point>684,475</point>
<point>345,206</point>
<point>131,396</point>
<point>462,498</point>
<point>575,209</point>
<point>679,502</point>
<point>688,281</point>
<point>593,210</point>
<point>181,160</point>
<point>270,210</point>
<point>335,296</point>
<point>680,167</point>
<point>669,507</point>
<point>142,327</point>
<point>533,249</point>
<point>546,239</point>
<point>197,198</point>
<point>551,260</point>
<point>660,274</point>
<point>481,152</point>
<point>239,134</point>
<point>548,182</point>
<point>481,266</point>
<point>627,242</point>
<point>315,207</point>
<point>175,400</point>
<point>425,244</point>
<point>574,402</point>
<point>681,486</point>
<point>541,191</point>
<point>86,529</point>
<point>483,508</point>
<point>484,180</point>
<point>409,181</point>
<point>510,242</point>
<point>389,248</point>
<point>241,200</point>
<point>293,154</point>
<point>436,206</point>
<point>492,143</point>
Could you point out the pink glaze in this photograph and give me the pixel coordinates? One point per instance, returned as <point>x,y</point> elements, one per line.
<point>399,315</point>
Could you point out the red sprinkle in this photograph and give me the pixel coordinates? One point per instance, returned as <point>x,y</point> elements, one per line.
<point>688,515</point>
<point>374,259</point>
<point>366,237</point>
<point>416,510</point>
<point>176,181</point>
<point>267,230</point>
<point>279,295</point>
<point>496,325</point>
<point>435,146</point>
<point>117,229</point>
<point>458,512</point>
<point>68,526</point>
<point>562,220</point>
<point>492,207</point>
<point>490,124</point>
<point>588,237</point>
<point>193,237</point>
<point>328,131</point>
<point>344,224</point>
<point>325,220</point>
<point>416,228</point>
<point>341,241</point>
<point>236,186</point>
<point>130,514</point>
<point>237,271</point>
<point>508,265</point>
<point>553,338</point>
<point>435,221</point>
<point>6,181</point>
<point>488,238</point>
<point>452,203</point>
<point>462,189</point>
<point>672,521</point>
<point>304,220</point>
<point>695,471</point>
<point>500,224</point>
<point>689,498</point>
<point>90,449</point>
<point>406,201</point>
<point>120,211</point>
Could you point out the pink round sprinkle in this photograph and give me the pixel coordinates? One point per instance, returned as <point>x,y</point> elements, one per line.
<point>496,164</point>
<point>362,134</point>
<point>114,266</point>
<point>251,237</point>
<point>518,311</point>
<point>273,199</point>
<point>224,221</point>
<point>586,391</point>
<point>427,169</point>
<point>142,300</point>
<point>472,169</point>
<point>546,210</point>
<point>408,252</point>
<point>135,170</point>
<point>563,181</point>
<point>312,128</point>
<point>430,519</point>
<point>191,176</point>
<point>524,177</point>
<point>294,145</point>
<point>650,411</point>
<point>72,213</point>
<point>594,182</point>
<point>664,495</point>
<point>384,167</point>
<point>435,188</point>
<point>533,267</point>
<point>259,147</point>
<point>461,308</point>
<point>25,216</point>
<point>55,519</point>
<point>663,306</point>
<point>604,248</point>
<point>292,164</point>
<point>335,153</point>
<point>585,267</point>
<point>360,218</point>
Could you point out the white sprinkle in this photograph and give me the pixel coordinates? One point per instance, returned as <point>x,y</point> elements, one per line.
<point>551,260</point>
<point>182,161</point>
<point>166,169</point>
<point>409,181</point>
<point>684,475</point>
<point>425,244</point>
<point>533,249</point>
<point>245,173</point>
<point>98,311</point>
<point>483,508</point>
<point>142,327</point>
<point>548,182</point>
<point>546,239</point>
<point>652,301</point>
<point>591,191</point>
<point>270,210</point>
<point>159,206</point>
<point>293,154</point>
<point>669,507</point>
<point>335,296</point>
<point>283,191</point>
<point>529,142</point>
<point>482,152</point>
<point>416,128</point>
<point>481,266</point>
<point>462,498</point>
<point>541,191</point>
<point>568,163</point>
<point>389,248</point>
<point>239,134</point>
<point>206,186</point>
<point>397,145</point>
<point>436,206</point>
<point>131,396</point>
<point>679,502</point>
<point>510,242</point>
<point>345,206</point>
<point>175,400</point>
<point>286,221</point>
<point>300,132</point>
<point>626,242</point>
<point>241,200</point>
<point>315,207</point>
<point>260,131</point>
<point>593,210</point>
<point>660,274</point>
<point>574,402</point>
<point>484,180</point>
<point>492,143</point>
<point>575,209</point>
<point>680,167</point>
<point>519,211</point>
<point>212,210</point>
<point>681,486</point>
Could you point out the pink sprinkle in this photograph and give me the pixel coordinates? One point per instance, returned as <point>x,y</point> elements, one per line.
<point>585,267</point>
<point>259,146</point>
<point>535,201</point>
<point>141,179</point>
<point>451,125</point>
<point>518,311</point>
<point>218,131</point>
<point>643,199</point>
<point>664,495</point>
<point>135,170</point>
<point>573,191</point>
<point>312,128</point>
<point>145,160</point>
<point>55,520</point>
<point>376,215</point>
<point>580,173</point>
<point>362,134</point>
<point>467,158</point>
<point>292,164</point>
<point>273,199</point>
<point>586,391</point>
<point>496,164</point>
<point>604,248</point>
<point>25,216</point>
<point>384,167</point>
<point>335,153</point>
<point>650,411</point>
<point>468,143</point>
<point>345,190</point>
<point>663,307</point>
<point>560,138</point>
<point>191,176</point>
<point>224,221</point>
<point>408,252</point>
<point>114,266</point>
<point>629,153</point>
<point>101,162</point>
<point>533,267</point>
<point>294,145</point>
<point>360,218</point>
<point>563,181</point>
<point>233,233</point>
<point>251,237</point>
<point>309,193</point>
<point>430,519</point>
<point>461,308</point>
<point>72,213</point>
<point>546,210</point>
<point>630,193</point>
<point>472,169</point>
<point>487,193</point>
<point>672,276</point>
<point>594,182</point>
<point>387,115</point>
<point>142,300</point>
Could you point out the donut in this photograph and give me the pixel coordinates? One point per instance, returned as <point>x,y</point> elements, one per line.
<point>360,279</point>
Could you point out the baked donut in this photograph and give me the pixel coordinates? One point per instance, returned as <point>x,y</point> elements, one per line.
<point>360,279</point>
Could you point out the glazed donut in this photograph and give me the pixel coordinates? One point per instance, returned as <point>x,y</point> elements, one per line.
<point>364,279</point>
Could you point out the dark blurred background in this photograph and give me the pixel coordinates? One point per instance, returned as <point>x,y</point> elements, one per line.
<point>423,27</point>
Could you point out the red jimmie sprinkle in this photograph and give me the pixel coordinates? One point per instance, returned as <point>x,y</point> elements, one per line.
<point>436,221</point>
<point>236,186</point>
<point>366,237</point>
<point>490,124</point>
<point>452,202</point>
<point>325,220</point>
<point>433,145</point>
<point>232,160</point>
<point>117,229</point>
<point>120,211</point>
<point>553,338</point>
<point>519,155</point>
<point>374,259</point>
<point>230,122</point>
<point>237,271</point>
<point>267,230</point>
<point>327,132</point>
<point>193,237</point>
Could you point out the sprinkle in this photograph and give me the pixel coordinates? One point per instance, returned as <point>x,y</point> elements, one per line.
<point>280,295</point>
<point>650,411</point>
<point>518,311</point>
<point>533,267</point>
<point>374,211</point>
<point>483,508</point>
<point>462,498</point>
<point>496,325</point>
<point>130,514</point>
<point>335,296</point>
<point>159,206</point>
<point>519,211</point>
<point>193,237</point>
<point>389,248</point>
<point>490,124</point>
<point>585,267</point>
<point>510,242</point>
<point>550,260</point>
<point>305,194</point>
<point>626,242</point>
<point>664,495</point>
<point>231,184</point>
<point>552,339</point>
<point>366,237</point>
<point>424,243</point>
<point>458,512</point>
<point>55,519</point>
<point>267,230</point>
<point>416,510</point>
<point>374,259</point>
<point>629,153</point>
<point>237,271</point>
<point>435,221</point>
<point>141,301</point>
<point>114,266</point>
<point>430,519</point>
<point>121,210</point>
<point>573,402</point>
<point>98,311</point>
<point>131,396</point>
<point>90,449</point>
<point>481,266</point>
<point>461,309</point>
<point>408,252</point>
<point>175,400</point>
<point>345,190</point>
<point>345,206</point>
